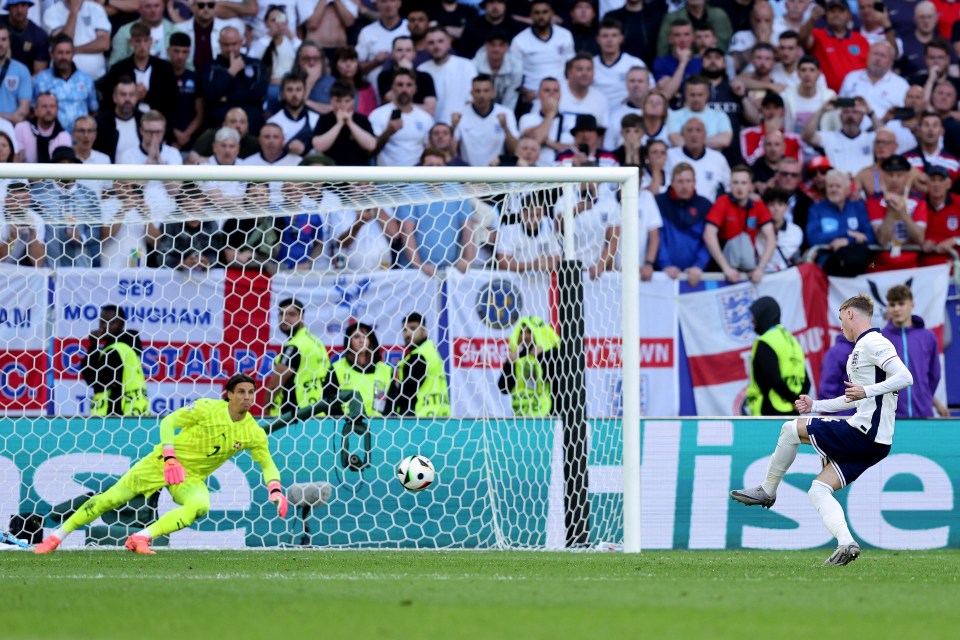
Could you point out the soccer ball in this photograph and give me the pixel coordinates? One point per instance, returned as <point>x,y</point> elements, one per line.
<point>416,473</point>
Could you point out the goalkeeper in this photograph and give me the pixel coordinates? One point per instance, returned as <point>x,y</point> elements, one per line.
<point>211,432</point>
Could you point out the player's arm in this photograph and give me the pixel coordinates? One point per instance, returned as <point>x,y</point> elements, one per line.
<point>173,472</point>
<point>832,405</point>
<point>260,451</point>
<point>898,376</point>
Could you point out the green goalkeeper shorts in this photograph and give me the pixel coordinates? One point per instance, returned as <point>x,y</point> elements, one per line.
<point>146,477</point>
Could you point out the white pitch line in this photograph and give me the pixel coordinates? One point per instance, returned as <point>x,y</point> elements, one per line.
<point>352,577</point>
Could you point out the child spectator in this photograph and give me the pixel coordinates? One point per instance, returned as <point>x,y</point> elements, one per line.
<point>917,347</point>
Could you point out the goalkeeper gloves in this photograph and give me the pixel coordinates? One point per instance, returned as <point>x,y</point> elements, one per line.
<point>277,498</point>
<point>173,472</point>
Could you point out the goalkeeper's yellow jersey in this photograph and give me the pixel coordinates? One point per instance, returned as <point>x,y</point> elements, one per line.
<point>208,437</point>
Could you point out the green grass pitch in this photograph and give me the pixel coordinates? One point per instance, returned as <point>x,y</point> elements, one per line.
<point>306,595</point>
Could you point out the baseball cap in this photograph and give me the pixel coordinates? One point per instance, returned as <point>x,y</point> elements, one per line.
<point>895,163</point>
<point>820,162</point>
<point>936,170</point>
<point>836,3</point>
<point>713,50</point>
<point>10,3</point>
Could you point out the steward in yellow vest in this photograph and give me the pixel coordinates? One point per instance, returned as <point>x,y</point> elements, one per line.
<point>778,373</point>
<point>301,367</point>
<point>112,367</point>
<point>529,370</point>
<point>360,369</point>
<point>419,386</point>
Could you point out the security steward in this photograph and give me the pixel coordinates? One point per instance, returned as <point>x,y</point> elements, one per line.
<point>112,367</point>
<point>419,386</point>
<point>778,371</point>
<point>530,367</point>
<point>361,369</point>
<point>301,367</point>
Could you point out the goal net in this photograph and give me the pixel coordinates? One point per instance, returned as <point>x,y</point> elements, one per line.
<point>382,312</point>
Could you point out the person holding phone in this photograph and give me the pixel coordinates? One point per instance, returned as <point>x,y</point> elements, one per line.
<point>876,25</point>
<point>401,127</point>
<point>851,148</point>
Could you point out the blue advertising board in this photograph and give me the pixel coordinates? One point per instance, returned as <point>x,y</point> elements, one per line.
<point>500,485</point>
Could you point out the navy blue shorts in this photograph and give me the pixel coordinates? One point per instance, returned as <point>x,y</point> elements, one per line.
<point>850,451</point>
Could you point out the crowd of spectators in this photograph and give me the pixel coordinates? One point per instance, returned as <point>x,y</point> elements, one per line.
<point>761,130</point>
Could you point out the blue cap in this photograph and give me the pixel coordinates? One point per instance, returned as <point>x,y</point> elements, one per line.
<point>10,3</point>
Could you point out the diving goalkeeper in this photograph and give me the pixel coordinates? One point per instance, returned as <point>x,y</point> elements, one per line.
<point>210,433</point>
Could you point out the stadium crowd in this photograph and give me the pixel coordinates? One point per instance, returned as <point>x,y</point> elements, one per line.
<point>761,129</point>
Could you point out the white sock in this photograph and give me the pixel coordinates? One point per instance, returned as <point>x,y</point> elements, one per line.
<point>782,458</point>
<point>60,533</point>
<point>821,495</point>
<point>144,534</point>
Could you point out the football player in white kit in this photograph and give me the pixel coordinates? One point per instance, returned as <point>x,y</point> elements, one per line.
<point>847,447</point>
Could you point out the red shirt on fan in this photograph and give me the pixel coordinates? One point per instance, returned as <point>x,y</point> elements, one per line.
<point>751,144</point>
<point>948,13</point>
<point>877,211</point>
<point>733,219</point>
<point>839,56</point>
<point>942,224</point>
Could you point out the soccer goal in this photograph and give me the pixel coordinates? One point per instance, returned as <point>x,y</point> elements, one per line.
<point>450,303</point>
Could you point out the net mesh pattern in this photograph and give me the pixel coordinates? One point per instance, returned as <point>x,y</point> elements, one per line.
<point>378,320</point>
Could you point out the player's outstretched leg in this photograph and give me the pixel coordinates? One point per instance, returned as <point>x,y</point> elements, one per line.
<point>821,496</point>
<point>783,456</point>
<point>92,509</point>
<point>194,499</point>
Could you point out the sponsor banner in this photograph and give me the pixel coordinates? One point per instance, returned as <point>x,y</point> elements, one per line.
<point>482,308</point>
<point>23,324</point>
<point>196,330</point>
<point>23,387</point>
<point>718,333</point>
<point>23,308</point>
<point>73,397</point>
<point>381,299</point>
<point>659,392</point>
<point>687,469</point>
<point>177,362</point>
<point>164,305</point>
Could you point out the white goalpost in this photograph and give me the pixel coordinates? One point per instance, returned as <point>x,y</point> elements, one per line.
<point>354,245</point>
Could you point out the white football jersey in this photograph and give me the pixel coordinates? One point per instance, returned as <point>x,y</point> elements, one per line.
<point>865,367</point>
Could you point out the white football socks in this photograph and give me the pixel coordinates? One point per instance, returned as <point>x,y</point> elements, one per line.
<point>821,495</point>
<point>782,458</point>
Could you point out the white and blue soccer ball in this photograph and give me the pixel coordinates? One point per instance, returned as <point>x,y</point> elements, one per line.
<point>416,472</point>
